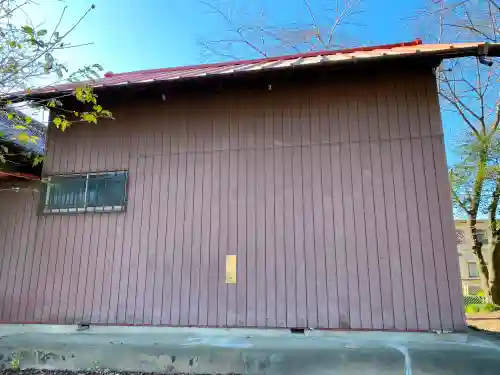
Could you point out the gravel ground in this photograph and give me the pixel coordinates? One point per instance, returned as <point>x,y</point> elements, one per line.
<point>485,321</point>
<point>96,372</point>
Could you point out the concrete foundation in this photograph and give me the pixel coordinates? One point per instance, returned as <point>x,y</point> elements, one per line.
<point>196,350</point>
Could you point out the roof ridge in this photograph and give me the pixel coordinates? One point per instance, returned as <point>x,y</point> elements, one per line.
<point>415,42</point>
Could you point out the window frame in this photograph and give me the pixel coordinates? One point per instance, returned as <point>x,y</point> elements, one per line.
<point>483,236</point>
<point>44,210</point>
<point>469,269</point>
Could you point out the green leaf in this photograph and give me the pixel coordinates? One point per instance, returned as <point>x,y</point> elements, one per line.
<point>12,44</point>
<point>20,127</point>
<point>79,94</point>
<point>89,117</point>
<point>105,113</point>
<point>65,124</point>
<point>2,159</point>
<point>98,108</point>
<point>49,62</point>
<point>41,32</point>
<point>57,121</point>
<point>76,113</point>
<point>51,104</point>
<point>85,95</point>
<point>98,67</point>
<point>28,120</point>
<point>34,139</point>
<point>27,29</point>
<point>23,137</point>
<point>4,148</point>
<point>37,160</point>
<point>10,116</point>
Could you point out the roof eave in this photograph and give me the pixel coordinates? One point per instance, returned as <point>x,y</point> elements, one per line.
<point>485,50</point>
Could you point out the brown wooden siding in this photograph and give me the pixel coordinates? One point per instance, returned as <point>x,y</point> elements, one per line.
<point>334,198</point>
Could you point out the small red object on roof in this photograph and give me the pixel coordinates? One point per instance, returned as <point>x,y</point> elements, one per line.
<point>108,74</point>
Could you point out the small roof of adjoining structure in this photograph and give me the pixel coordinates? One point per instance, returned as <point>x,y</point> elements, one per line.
<point>19,164</point>
<point>412,49</point>
<point>9,133</point>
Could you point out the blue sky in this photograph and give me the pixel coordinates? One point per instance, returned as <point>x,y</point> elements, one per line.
<point>130,35</point>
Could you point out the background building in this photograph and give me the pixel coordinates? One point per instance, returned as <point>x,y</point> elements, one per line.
<point>469,272</point>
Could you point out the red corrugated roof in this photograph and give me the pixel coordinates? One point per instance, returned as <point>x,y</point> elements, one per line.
<point>27,176</point>
<point>413,48</point>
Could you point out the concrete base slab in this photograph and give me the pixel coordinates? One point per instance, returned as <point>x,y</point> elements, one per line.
<point>259,351</point>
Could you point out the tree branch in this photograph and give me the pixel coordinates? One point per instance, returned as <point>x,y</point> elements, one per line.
<point>496,120</point>
<point>340,18</point>
<point>264,38</point>
<point>462,114</point>
<point>495,197</point>
<point>315,25</point>
<point>494,3</point>
<point>471,29</point>
<point>456,98</point>
<point>481,98</point>
<point>237,30</point>
<point>457,199</point>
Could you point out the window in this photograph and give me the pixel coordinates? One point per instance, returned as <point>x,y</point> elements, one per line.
<point>460,237</point>
<point>473,270</point>
<point>90,192</point>
<point>482,236</point>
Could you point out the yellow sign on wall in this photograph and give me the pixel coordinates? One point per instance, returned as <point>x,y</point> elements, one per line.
<point>230,269</point>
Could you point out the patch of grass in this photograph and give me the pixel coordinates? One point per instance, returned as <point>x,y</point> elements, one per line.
<point>481,308</point>
<point>15,364</point>
<point>490,307</point>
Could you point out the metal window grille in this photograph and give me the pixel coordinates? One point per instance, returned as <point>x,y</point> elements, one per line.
<point>473,294</point>
<point>460,237</point>
<point>482,236</point>
<point>89,192</point>
<point>473,299</point>
<point>474,290</point>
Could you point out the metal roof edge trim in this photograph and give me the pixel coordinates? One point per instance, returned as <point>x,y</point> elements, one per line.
<point>453,50</point>
<point>271,59</point>
<point>351,60</point>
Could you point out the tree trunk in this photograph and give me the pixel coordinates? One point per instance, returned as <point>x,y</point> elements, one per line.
<point>494,273</point>
<point>494,261</point>
<point>484,277</point>
<point>482,267</point>
<point>472,221</point>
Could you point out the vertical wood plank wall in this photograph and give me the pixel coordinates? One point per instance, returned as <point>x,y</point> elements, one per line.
<point>334,198</point>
